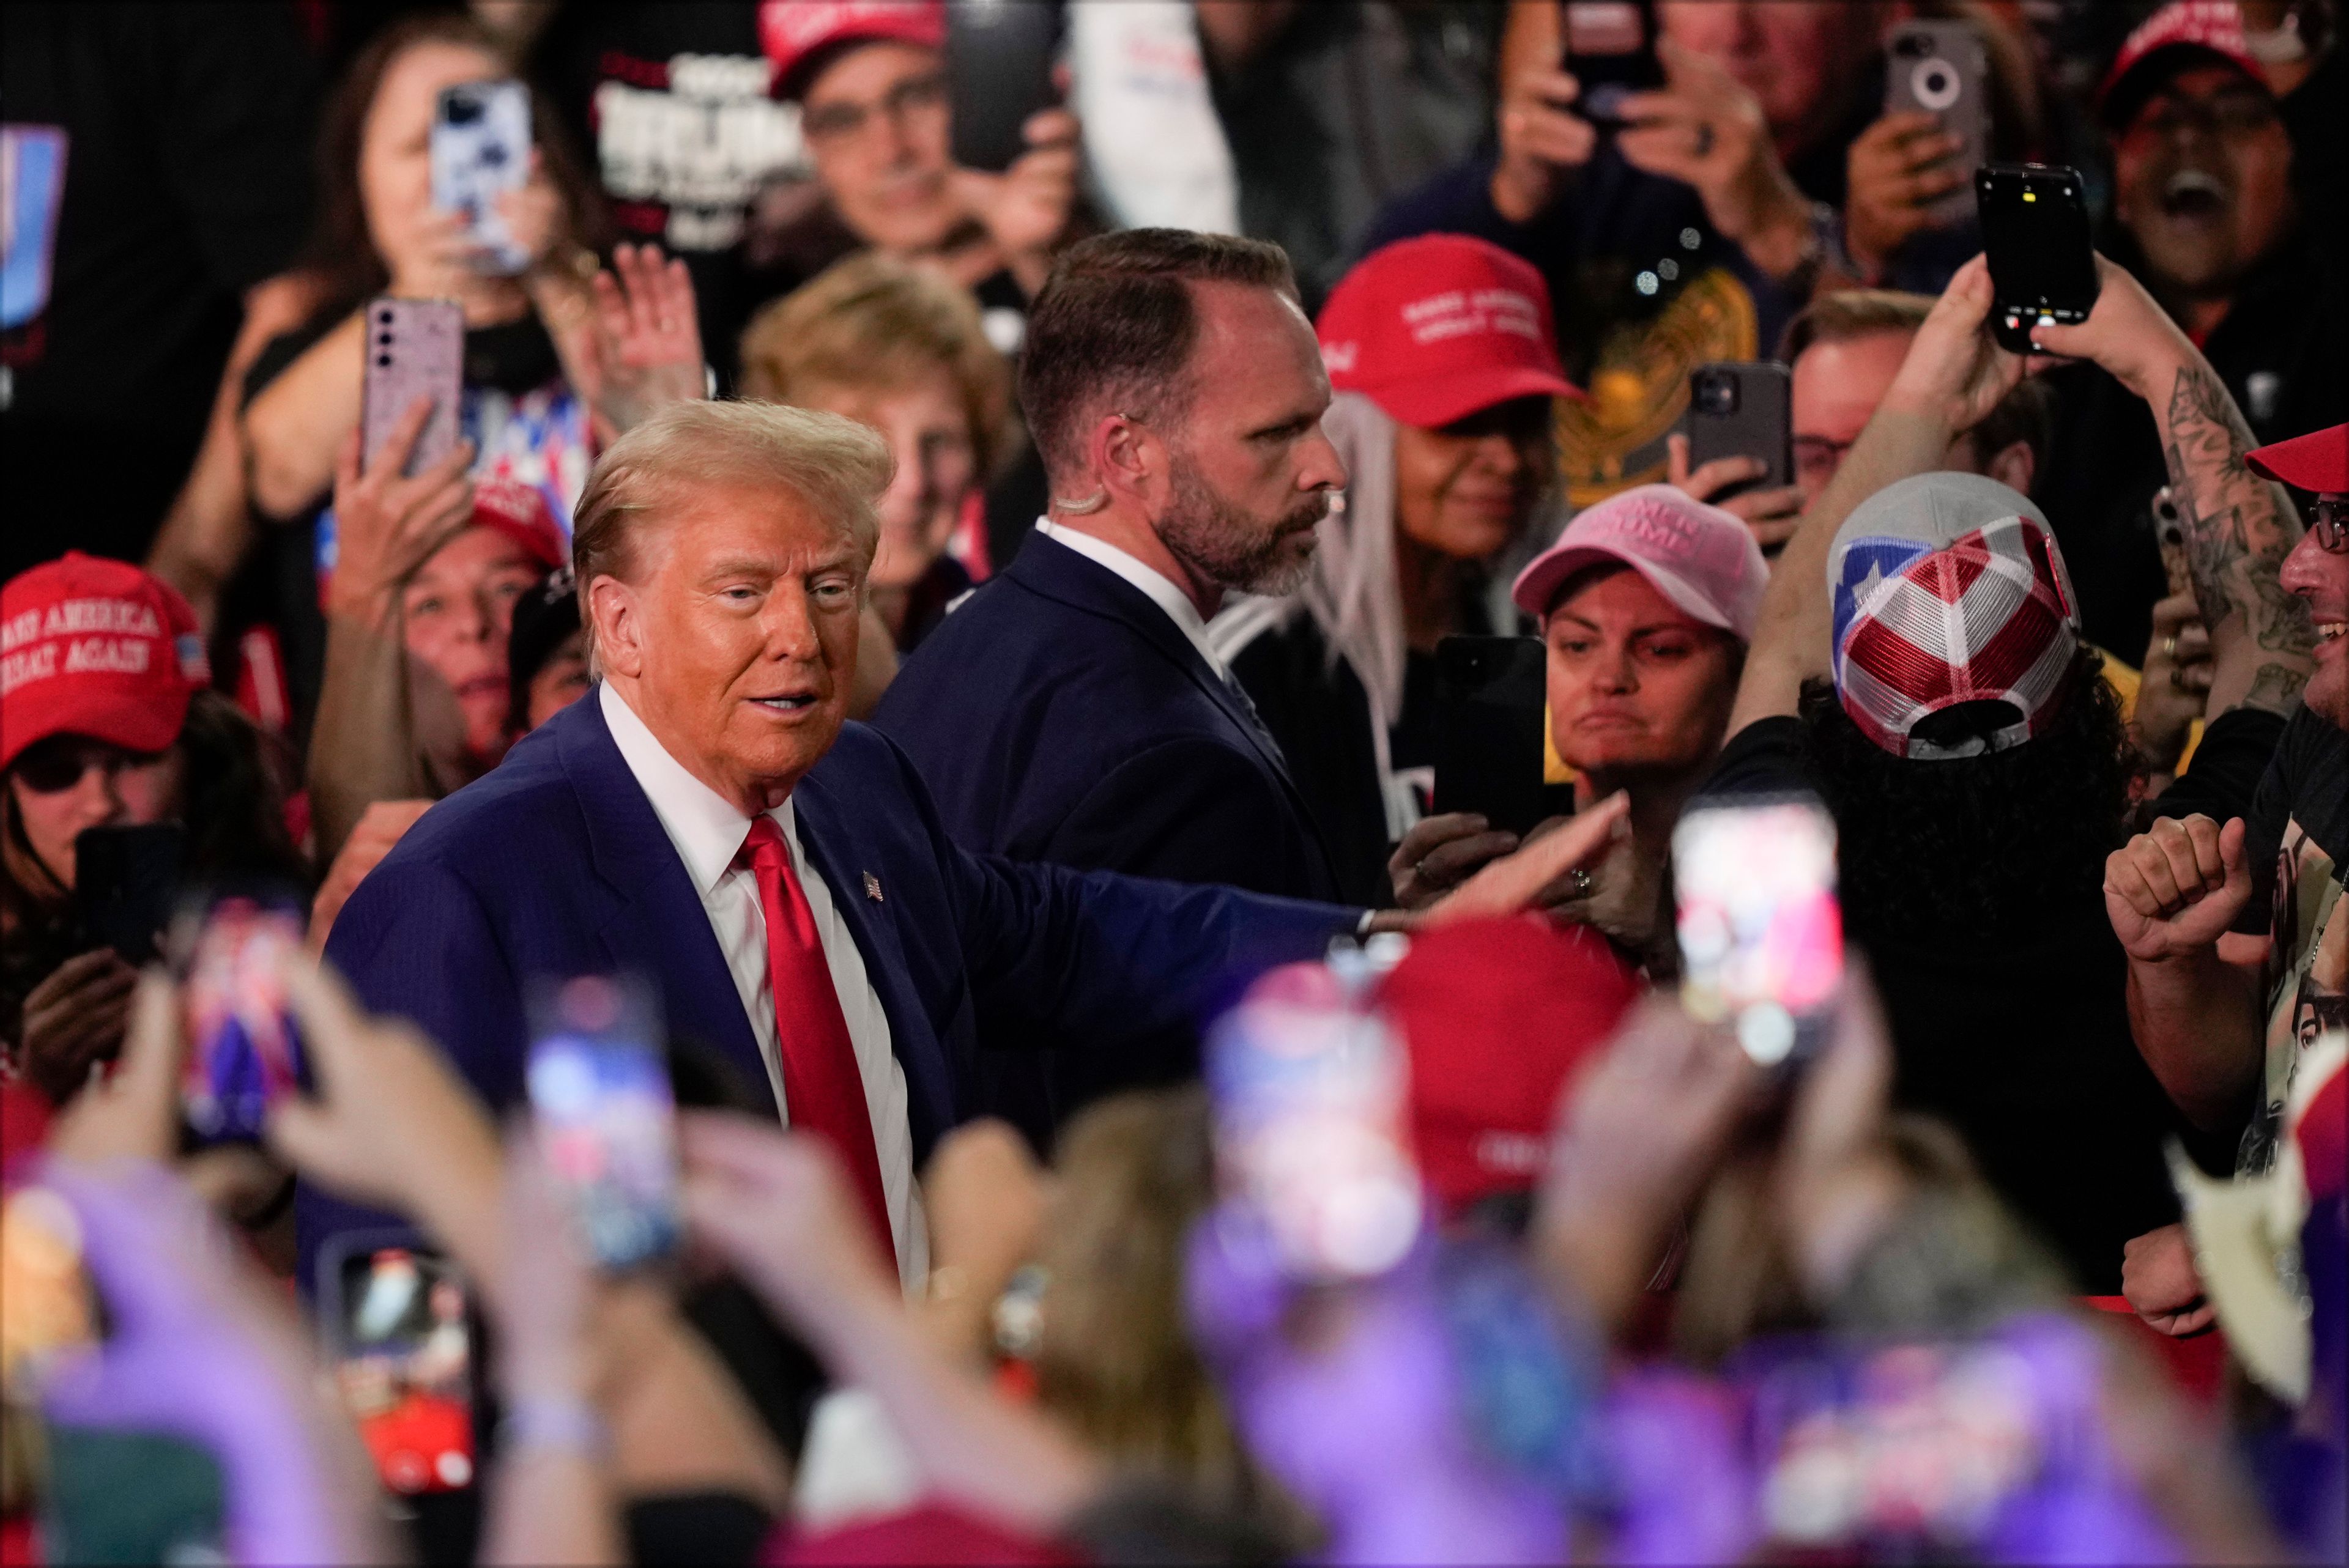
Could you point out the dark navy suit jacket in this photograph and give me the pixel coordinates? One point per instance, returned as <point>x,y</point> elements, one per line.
<point>1059,716</point>
<point>555,865</point>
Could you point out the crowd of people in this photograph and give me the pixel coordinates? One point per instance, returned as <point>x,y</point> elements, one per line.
<point>824,923</point>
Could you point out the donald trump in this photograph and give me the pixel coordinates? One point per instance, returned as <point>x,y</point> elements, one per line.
<point>705,818</point>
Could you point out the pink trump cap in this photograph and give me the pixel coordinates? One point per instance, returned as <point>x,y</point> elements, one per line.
<point>1698,557</point>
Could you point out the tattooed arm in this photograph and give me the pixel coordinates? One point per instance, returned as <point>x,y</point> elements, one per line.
<point>2239,527</point>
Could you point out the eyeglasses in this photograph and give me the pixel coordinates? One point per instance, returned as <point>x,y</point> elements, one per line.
<point>2328,521</point>
<point>834,123</point>
<point>2228,114</point>
<point>60,763</point>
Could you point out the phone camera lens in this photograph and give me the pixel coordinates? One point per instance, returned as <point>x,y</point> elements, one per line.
<point>1934,85</point>
<point>462,111</point>
<point>383,362</point>
<point>1913,46</point>
<point>1716,394</point>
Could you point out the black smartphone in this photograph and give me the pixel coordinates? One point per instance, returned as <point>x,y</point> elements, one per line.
<point>1001,54</point>
<point>1489,698</point>
<point>127,885</point>
<point>1743,408</point>
<point>2042,261</point>
<point>1943,68</point>
<point>1610,51</point>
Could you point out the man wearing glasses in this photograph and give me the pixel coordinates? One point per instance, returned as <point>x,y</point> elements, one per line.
<point>2224,1039</point>
<point>871,79</point>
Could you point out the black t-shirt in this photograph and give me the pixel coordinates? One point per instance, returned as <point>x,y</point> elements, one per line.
<point>671,98</point>
<point>158,167</point>
<point>2021,1044</point>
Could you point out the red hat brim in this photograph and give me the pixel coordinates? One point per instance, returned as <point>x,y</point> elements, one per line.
<point>1431,402</point>
<point>135,721</point>
<point>2318,461</point>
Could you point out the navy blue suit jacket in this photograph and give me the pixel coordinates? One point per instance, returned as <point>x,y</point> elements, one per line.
<point>1060,716</point>
<point>555,865</point>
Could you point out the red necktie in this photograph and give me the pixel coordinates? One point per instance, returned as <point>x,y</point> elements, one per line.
<point>823,1091</point>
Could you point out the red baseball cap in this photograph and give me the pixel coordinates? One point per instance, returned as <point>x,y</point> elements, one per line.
<point>522,513</point>
<point>2214,27</point>
<point>2318,461</point>
<point>96,647</point>
<point>1496,1015</point>
<point>794,33</point>
<point>1439,327</point>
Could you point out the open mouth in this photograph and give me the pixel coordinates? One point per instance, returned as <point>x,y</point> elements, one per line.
<point>2194,193</point>
<point>800,703</point>
<point>2329,633</point>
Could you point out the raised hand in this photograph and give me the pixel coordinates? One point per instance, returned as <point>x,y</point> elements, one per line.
<point>387,526</point>
<point>1706,130</point>
<point>1542,138</point>
<point>2177,889</point>
<point>1897,170</point>
<point>1954,371</point>
<point>1025,210</point>
<point>73,1020</point>
<point>1770,515</point>
<point>390,1122</point>
<point>649,337</point>
<point>2159,1280</point>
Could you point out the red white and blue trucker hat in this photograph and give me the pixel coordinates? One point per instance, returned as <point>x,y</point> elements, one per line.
<point>1948,588</point>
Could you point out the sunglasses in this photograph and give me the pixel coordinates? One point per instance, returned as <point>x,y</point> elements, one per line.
<point>2328,521</point>
<point>60,763</point>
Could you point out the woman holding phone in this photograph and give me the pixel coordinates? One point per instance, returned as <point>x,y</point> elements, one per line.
<point>111,723</point>
<point>558,358</point>
<point>1445,369</point>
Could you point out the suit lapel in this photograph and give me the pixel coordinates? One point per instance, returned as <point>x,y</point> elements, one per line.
<point>1060,573</point>
<point>658,925</point>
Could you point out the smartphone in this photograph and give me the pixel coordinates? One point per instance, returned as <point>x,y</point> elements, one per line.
<point>414,348</point>
<point>1610,50</point>
<point>599,1089</point>
<point>1943,68</point>
<point>1743,410</point>
<point>2042,263</point>
<point>243,1047</point>
<point>480,149</point>
<point>1309,1091</point>
<point>398,1323</point>
<point>1001,54</point>
<point>1761,933</point>
<point>127,885</point>
<point>1490,694</point>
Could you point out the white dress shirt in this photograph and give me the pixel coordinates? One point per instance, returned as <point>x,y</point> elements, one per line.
<point>708,833</point>
<point>1162,591</point>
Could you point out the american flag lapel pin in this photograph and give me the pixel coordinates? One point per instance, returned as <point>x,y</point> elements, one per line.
<point>872,887</point>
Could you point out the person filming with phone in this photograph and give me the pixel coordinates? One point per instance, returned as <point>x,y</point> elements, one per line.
<point>115,742</point>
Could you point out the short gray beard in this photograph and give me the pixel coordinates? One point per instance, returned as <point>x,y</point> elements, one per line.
<point>1220,543</point>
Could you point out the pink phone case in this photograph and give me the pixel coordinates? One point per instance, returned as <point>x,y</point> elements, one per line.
<point>414,348</point>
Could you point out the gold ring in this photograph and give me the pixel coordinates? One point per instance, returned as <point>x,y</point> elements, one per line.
<point>2169,646</point>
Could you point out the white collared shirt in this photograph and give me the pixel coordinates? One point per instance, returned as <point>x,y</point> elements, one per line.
<point>708,833</point>
<point>1162,591</point>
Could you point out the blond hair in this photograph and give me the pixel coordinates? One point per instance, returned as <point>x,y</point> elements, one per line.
<point>837,466</point>
<point>874,323</point>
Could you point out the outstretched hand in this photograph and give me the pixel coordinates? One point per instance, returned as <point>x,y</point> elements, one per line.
<point>2127,333</point>
<point>1517,882</point>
